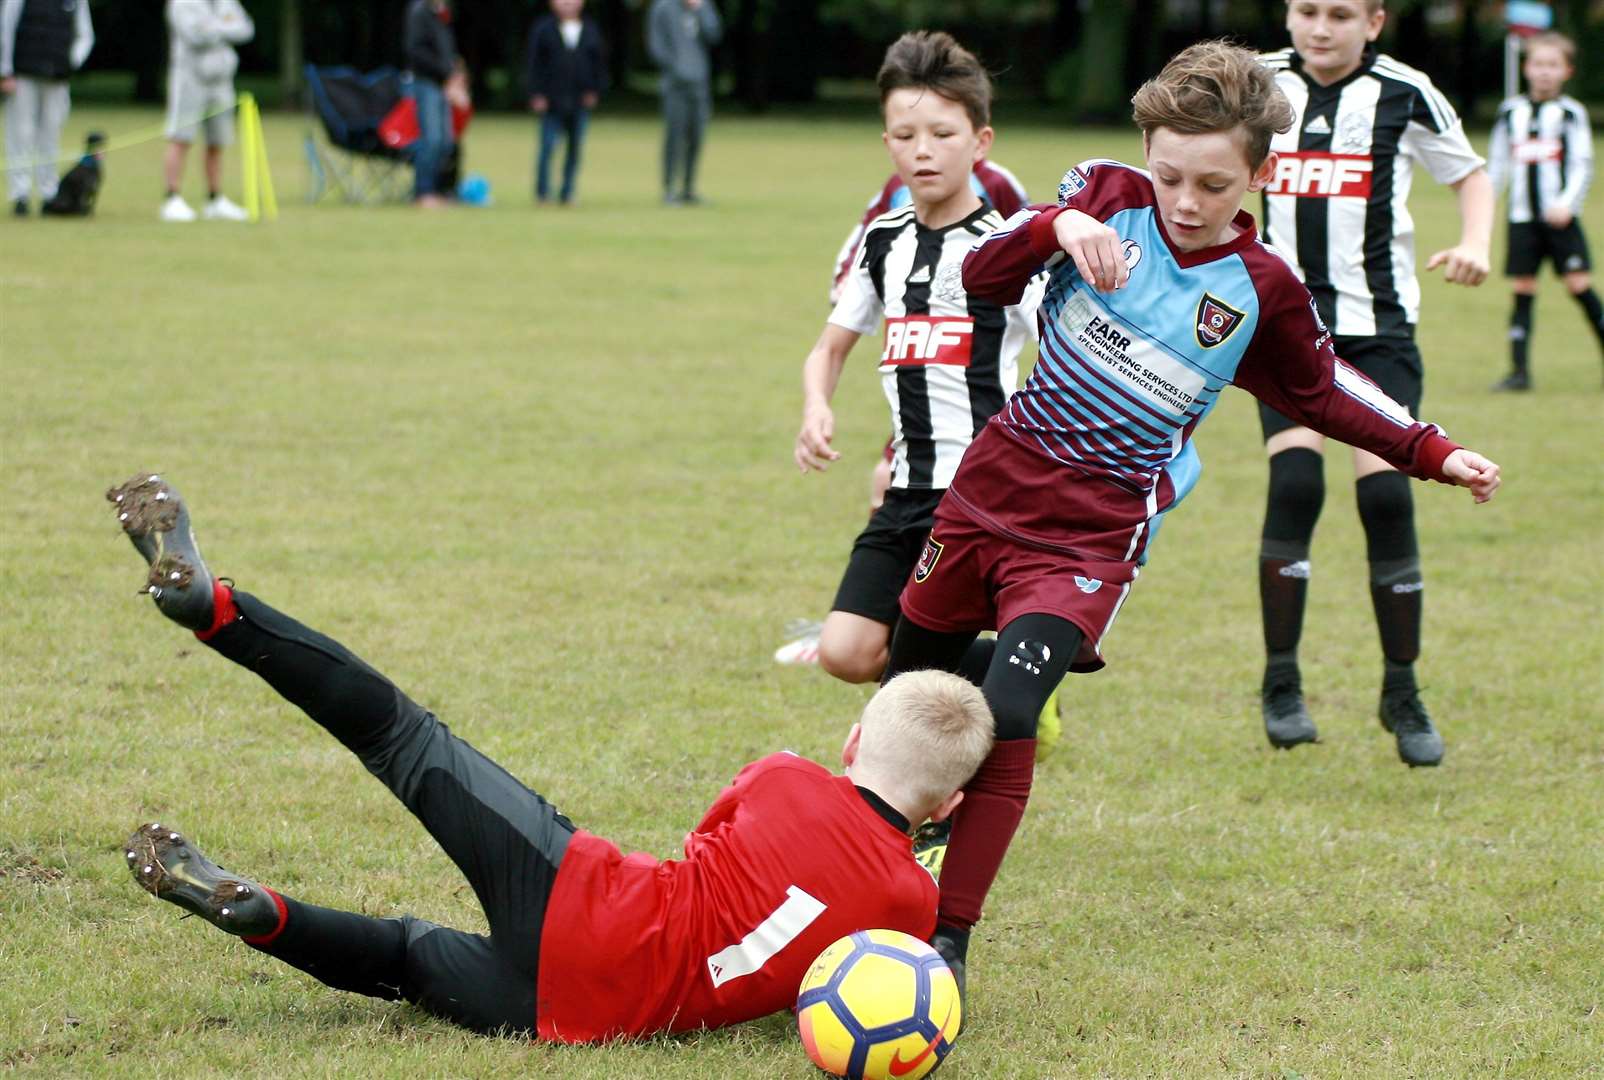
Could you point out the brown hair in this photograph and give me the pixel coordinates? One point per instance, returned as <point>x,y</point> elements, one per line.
<point>924,735</point>
<point>1554,40</point>
<point>1215,86</point>
<point>933,60</point>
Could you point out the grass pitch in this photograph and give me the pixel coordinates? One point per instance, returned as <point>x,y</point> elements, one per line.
<point>535,464</point>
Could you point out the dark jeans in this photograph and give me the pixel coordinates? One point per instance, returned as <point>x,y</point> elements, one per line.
<point>434,133</point>
<point>556,124</point>
<point>507,840</point>
<point>686,110</point>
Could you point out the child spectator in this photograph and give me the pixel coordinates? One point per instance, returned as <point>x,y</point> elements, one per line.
<point>565,68</point>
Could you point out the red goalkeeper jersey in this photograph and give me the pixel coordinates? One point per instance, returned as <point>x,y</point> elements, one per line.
<point>789,858</point>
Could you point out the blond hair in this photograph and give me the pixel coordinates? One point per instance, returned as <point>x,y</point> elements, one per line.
<point>1215,86</point>
<point>924,735</point>
<point>1555,40</point>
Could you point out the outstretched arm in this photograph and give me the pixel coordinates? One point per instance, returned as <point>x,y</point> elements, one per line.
<point>1291,367</point>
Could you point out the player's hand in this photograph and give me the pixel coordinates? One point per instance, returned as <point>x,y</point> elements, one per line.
<point>8,85</point>
<point>813,441</point>
<point>1462,265</point>
<point>1558,217</point>
<point>1469,469</point>
<point>588,99</point>
<point>1094,247</point>
<point>538,104</point>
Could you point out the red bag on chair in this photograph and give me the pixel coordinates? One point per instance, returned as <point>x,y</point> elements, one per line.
<point>399,128</point>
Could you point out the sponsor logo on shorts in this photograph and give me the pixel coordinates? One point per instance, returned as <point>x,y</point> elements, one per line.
<point>927,559</point>
<point>1216,320</point>
<point>917,340</point>
<point>1312,174</point>
<point>1088,585</point>
<point>1573,263</point>
<point>1030,655</point>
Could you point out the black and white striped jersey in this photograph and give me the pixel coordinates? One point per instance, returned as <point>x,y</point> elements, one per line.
<point>1543,152</point>
<point>948,363</point>
<point>1338,203</point>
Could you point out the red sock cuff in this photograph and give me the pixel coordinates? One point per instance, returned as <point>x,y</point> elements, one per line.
<point>262,940</point>
<point>1007,770</point>
<point>223,609</point>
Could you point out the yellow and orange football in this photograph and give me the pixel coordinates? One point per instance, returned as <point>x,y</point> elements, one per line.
<point>879,1005</point>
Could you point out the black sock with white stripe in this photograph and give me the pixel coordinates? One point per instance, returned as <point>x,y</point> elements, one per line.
<point>1387,511</point>
<point>1595,312</point>
<point>1520,331</point>
<point>1297,492</point>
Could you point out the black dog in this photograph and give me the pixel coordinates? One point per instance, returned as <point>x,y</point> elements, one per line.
<point>75,195</point>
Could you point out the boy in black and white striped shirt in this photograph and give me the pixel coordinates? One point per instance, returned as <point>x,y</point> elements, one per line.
<point>1337,206</point>
<point>1542,152</point>
<point>947,364</point>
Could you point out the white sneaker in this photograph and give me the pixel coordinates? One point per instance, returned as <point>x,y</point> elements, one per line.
<point>803,648</point>
<point>222,209</point>
<point>176,209</point>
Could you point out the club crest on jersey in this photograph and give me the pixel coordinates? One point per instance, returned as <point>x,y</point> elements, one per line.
<point>1070,186</point>
<point>927,559</point>
<point>1216,320</point>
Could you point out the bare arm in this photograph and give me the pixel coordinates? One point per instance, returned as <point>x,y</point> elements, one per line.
<point>821,373</point>
<point>1467,262</point>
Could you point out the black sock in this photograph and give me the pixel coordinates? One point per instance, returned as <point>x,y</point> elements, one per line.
<point>959,938</point>
<point>1386,509</point>
<point>1595,312</point>
<point>1520,331</point>
<point>341,949</point>
<point>977,659</point>
<point>1398,678</point>
<point>1297,492</point>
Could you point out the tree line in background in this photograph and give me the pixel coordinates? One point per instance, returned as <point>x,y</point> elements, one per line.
<point>1085,56</point>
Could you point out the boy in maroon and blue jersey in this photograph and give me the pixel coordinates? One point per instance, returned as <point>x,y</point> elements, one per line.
<point>586,943</point>
<point>1159,296</point>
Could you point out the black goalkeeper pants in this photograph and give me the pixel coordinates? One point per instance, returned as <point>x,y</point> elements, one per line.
<point>506,839</point>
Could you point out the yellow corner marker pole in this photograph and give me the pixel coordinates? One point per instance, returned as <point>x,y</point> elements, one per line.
<point>247,157</point>
<point>259,199</point>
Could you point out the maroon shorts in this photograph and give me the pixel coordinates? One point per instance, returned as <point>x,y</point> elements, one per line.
<point>969,578</point>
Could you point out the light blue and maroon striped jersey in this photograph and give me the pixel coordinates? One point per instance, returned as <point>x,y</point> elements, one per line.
<point>1124,379</point>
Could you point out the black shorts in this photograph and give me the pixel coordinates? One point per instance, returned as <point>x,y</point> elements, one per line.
<point>884,553</point>
<point>1392,363</point>
<point>1530,242</point>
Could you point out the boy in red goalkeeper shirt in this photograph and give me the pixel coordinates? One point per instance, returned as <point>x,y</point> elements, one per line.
<point>586,944</point>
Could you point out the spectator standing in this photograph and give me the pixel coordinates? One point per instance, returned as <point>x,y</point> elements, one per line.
<point>430,49</point>
<point>679,35</point>
<point>200,94</point>
<point>42,42</point>
<point>565,69</point>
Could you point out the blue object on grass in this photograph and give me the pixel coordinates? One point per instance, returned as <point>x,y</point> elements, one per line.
<point>474,190</point>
